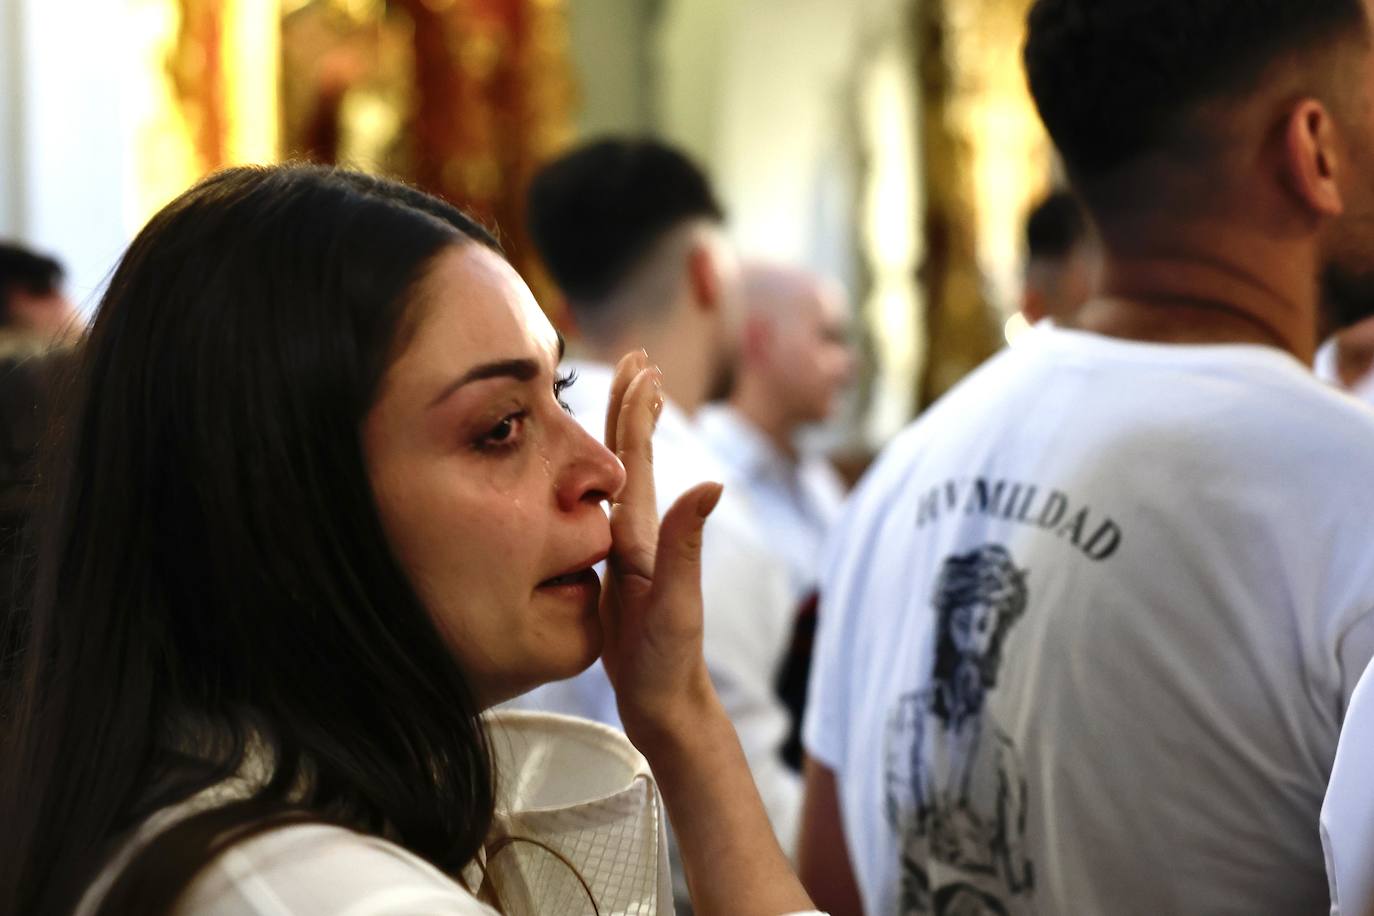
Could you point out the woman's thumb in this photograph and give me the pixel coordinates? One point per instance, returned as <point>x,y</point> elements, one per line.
<point>680,534</point>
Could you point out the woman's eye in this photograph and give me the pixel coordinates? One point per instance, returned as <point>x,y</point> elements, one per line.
<point>504,434</point>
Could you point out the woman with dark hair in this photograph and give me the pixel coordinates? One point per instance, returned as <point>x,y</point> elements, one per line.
<point>317,508</point>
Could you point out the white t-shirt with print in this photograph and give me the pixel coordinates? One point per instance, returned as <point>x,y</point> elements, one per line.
<point>1089,630</point>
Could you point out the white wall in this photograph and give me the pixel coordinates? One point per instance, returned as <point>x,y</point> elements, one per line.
<point>764,93</point>
<point>785,153</point>
<point>803,112</point>
<point>10,166</point>
<point>613,60</point>
<point>690,48</point>
<point>62,142</point>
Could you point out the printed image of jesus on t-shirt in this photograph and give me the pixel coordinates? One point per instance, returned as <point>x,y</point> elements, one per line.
<point>954,785</point>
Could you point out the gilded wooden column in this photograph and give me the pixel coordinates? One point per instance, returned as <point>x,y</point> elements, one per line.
<point>494,101</point>
<point>984,158</point>
<point>197,70</point>
<point>201,81</point>
<point>466,98</point>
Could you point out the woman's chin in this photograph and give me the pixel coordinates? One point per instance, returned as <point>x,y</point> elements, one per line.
<point>566,649</point>
<point>577,650</point>
<point>580,652</point>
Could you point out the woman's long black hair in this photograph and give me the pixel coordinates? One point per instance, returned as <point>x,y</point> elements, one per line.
<point>213,574</point>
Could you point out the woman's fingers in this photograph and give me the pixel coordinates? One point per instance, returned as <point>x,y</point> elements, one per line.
<point>659,671</point>
<point>678,562</point>
<point>634,514</point>
<point>625,371</point>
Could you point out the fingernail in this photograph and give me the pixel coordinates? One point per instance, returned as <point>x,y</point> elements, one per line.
<point>656,405</point>
<point>709,499</point>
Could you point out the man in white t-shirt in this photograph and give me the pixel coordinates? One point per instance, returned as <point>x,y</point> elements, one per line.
<point>1090,627</point>
<point>634,238</point>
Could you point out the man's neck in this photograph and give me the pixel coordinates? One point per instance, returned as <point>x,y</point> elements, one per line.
<point>1202,293</point>
<point>752,401</point>
<point>684,366</point>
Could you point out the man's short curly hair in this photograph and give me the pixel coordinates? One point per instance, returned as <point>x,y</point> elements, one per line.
<point>1114,78</point>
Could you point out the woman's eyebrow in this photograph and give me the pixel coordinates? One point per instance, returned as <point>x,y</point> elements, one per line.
<point>522,370</point>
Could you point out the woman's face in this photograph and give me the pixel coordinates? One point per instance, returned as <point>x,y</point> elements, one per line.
<point>489,492</point>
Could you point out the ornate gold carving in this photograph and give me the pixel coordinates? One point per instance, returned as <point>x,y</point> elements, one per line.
<point>984,158</point>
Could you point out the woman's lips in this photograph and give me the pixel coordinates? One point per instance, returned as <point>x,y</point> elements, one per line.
<point>582,578</point>
<point>583,573</point>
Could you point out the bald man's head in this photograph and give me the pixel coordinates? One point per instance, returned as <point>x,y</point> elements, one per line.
<point>796,340</point>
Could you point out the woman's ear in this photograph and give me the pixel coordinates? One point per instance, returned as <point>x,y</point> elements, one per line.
<point>1311,158</point>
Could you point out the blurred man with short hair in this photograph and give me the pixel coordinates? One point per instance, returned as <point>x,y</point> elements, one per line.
<point>34,312</point>
<point>634,237</point>
<point>794,360</point>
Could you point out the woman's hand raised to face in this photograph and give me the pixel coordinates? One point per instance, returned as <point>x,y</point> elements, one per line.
<point>652,620</point>
<point>651,604</point>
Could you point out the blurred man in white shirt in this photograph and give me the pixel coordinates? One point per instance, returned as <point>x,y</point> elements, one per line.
<point>634,238</point>
<point>794,360</point>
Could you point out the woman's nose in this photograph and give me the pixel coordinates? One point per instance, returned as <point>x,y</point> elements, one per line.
<point>591,474</point>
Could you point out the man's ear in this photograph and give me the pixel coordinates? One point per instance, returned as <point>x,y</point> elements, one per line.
<point>703,277</point>
<point>1311,158</point>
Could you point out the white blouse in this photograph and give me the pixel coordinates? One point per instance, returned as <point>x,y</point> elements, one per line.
<point>578,819</point>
